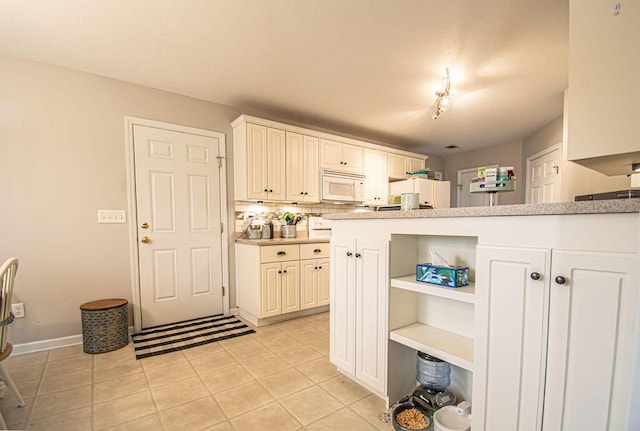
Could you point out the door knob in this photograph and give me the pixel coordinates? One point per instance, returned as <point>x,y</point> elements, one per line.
<point>561,280</point>
<point>535,276</point>
<point>144,225</point>
<point>145,239</point>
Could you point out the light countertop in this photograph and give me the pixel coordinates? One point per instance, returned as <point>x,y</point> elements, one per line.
<point>561,208</point>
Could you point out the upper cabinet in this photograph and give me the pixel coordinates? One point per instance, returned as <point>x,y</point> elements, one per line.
<point>602,108</point>
<point>376,184</point>
<point>338,156</point>
<point>400,166</point>
<point>302,168</point>
<point>280,162</point>
<point>259,154</point>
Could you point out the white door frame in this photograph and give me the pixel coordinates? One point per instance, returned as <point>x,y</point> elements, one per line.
<point>540,154</point>
<point>133,214</point>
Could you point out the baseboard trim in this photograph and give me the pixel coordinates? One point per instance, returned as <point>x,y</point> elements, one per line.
<point>52,343</point>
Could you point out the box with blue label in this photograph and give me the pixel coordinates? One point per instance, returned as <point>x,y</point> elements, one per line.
<point>450,276</point>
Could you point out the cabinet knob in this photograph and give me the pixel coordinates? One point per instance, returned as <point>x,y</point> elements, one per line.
<point>317,250</point>
<point>349,254</point>
<point>266,190</point>
<point>315,267</point>
<point>345,163</point>
<point>535,276</point>
<point>561,280</point>
<point>270,190</point>
<point>282,253</point>
<point>319,267</point>
<point>301,193</point>
<point>342,163</point>
<point>279,272</point>
<point>306,193</point>
<point>358,254</point>
<point>285,271</point>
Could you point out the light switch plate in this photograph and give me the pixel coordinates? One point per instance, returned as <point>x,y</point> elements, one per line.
<point>112,216</point>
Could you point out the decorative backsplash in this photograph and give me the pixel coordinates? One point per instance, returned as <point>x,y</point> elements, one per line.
<point>245,211</point>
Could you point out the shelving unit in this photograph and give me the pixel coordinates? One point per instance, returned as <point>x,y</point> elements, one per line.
<point>425,317</point>
<point>448,346</point>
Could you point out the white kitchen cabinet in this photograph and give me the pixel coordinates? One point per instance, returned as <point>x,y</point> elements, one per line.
<point>359,286</point>
<point>376,184</point>
<point>338,156</point>
<point>314,275</point>
<point>400,166</point>
<point>280,288</point>
<point>432,192</point>
<point>302,168</point>
<point>259,154</point>
<point>577,376</point>
<point>271,280</point>
<point>604,90</point>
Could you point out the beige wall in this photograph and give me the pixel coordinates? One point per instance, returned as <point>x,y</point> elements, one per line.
<point>62,157</point>
<point>509,154</point>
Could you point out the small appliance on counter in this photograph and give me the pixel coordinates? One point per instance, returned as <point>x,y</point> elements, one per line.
<point>319,227</point>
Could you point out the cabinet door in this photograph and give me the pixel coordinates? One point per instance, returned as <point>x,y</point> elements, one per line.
<point>331,155</point>
<point>342,315</point>
<point>591,338</point>
<point>382,175</point>
<point>270,288</point>
<point>290,286</point>
<point>510,342</point>
<point>397,166</point>
<point>323,281</point>
<point>311,166</point>
<point>276,164</point>
<point>257,155</point>
<point>352,158</point>
<point>295,166</point>
<point>414,164</point>
<point>308,288</point>
<point>371,182</point>
<point>372,285</point>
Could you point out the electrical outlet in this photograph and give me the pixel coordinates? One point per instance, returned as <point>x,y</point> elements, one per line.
<point>18,310</point>
<point>112,216</point>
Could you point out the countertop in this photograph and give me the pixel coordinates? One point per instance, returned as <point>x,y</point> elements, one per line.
<point>301,239</point>
<point>561,208</point>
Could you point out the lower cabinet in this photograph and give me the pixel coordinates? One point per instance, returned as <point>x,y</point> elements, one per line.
<point>280,288</point>
<point>358,318</point>
<point>273,280</point>
<point>555,339</point>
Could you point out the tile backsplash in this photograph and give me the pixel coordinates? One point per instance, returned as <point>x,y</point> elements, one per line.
<point>268,210</point>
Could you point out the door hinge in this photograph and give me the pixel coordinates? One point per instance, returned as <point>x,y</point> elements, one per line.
<point>219,160</point>
<point>556,169</point>
<point>221,227</point>
<point>223,291</point>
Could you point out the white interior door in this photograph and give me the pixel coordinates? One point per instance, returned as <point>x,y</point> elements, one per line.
<point>465,197</point>
<point>543,176</point>
<point>178,200</point>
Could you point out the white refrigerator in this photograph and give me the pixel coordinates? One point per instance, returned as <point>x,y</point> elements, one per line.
<point>432,192</point>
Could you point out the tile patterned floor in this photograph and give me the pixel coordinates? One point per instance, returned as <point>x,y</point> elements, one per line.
<point>279,378</point>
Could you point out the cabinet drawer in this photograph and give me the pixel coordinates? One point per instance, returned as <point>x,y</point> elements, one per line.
<point>279,253</point>
<point>314,251</point>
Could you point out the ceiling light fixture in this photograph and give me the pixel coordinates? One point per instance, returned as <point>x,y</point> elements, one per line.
<point>444,95</point>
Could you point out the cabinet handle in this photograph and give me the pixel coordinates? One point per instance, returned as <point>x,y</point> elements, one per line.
<point>306,193</point>
<point>301,193</point>
<point>285,271</point>
<point>349,254</point>
<point>342,163</point>
<point>319,267</point>
<point>358,254</point>
<point>317,250</point>
<point>270,190</point>
<point>561,280</point>
<point>266,190</point>
<point>282,253</point>
<point>535,276</point>
<point>345,163</point>
<point>279,272</point>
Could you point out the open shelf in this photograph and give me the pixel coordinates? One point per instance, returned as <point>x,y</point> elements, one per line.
<point>450,347</point>
<point>462,294</point>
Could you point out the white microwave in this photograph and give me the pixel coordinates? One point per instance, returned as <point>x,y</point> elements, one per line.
<point>342,187</point>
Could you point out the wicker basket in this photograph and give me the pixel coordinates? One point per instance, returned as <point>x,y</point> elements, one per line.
<point>104,325</point>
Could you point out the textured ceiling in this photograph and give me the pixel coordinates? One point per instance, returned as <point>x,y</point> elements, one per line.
<point>363,67</point>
